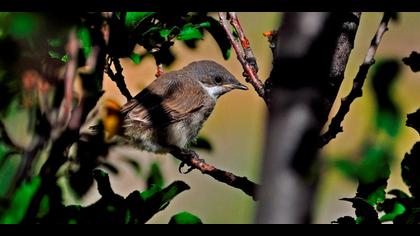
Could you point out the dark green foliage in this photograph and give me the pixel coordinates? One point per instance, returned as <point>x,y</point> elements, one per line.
<point>89,150</point>
<point>136,208</point>
<point>156,32</point>
<point>38,43</point>
<point>373,171</point>
<point>185,218</point>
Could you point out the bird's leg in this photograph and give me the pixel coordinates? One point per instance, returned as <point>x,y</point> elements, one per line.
<point>187,157</point>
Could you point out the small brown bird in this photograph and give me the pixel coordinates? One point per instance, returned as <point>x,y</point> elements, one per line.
<point>172,109</point>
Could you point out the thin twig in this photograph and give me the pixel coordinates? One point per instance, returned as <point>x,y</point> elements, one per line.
<point>117,77</point>
<point>249,55</point>
<point>191,158</point>
<point>71,67</point>
<point>244,55</point>
<point>356,91</point>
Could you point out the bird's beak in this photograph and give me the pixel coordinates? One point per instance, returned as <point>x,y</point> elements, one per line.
<point>236,86</point>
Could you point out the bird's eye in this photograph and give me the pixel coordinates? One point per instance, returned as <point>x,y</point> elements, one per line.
<point>218,80</point>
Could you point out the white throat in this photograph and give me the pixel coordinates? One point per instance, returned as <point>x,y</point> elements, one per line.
<point>214,91</point>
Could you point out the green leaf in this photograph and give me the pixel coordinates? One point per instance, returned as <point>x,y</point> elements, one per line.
<point>155,176</point>
<point>157,199</point>
<point>20,202</point>
<point>188,32</point>
<point>165,33</point>
<point>374,195</point>
<point>84,36</point>
<point>202,143</point>
<point>65,58</point>
<point>54,55</point>
<point>136,58</point>
<point>150,192</point>
<point>44,207</point>
<point>133,18</point>
<point>398,209</point>
<point>410,170</point>
<point>185,218</point>
<point>172,190</point>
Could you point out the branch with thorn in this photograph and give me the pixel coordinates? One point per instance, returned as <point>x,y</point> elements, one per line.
<point>335,126</point>
<point>192,159</point>
<point>243,52</point>
<point>117,77</point>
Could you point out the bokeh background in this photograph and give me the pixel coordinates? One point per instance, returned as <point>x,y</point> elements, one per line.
<point>237,126</point>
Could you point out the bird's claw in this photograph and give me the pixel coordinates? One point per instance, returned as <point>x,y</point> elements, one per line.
<point>190,167</point>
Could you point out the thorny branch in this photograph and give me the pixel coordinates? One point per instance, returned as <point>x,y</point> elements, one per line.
<point>356,91</point>
<point>244,52</point>
<point>117,77</point>
<point>191,158</point>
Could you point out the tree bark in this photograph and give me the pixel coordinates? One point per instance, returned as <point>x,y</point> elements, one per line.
<point>310,56</point>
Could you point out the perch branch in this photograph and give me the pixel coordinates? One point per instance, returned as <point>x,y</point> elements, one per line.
<point>191,158</point>
<point>243,52</point>
<point>356,91</point>
<point>117,77</point>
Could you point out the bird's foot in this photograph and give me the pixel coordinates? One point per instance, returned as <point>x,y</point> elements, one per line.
<point>187,152</point>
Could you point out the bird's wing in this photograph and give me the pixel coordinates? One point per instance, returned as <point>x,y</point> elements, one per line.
<point>164,102</point>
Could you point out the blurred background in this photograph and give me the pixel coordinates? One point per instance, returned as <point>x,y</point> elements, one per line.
<point>236,127</point>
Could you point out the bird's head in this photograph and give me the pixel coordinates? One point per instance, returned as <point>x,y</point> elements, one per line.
<point>215,78</point>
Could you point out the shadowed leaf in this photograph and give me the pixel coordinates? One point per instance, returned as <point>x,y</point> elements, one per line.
<point>413,61</point>
<point>365,213</point>
<point>219,34</point>
<point>202,143</point>
<point>410,170</point>
<point>413,120</point>
<point>345,220</point>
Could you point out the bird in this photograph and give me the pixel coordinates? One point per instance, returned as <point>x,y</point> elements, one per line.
<point>170,112</point>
